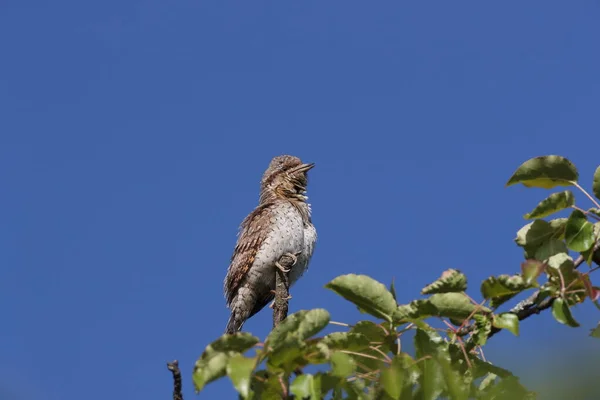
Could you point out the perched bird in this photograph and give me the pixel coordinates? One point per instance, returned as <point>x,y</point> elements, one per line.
<point>279,225</point>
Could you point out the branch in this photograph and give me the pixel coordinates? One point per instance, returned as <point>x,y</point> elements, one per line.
<point>282,288</point>
<point>173,366</point>
<point>534,304</point>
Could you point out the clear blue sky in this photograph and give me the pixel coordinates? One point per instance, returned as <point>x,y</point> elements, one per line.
<point>133,135</point>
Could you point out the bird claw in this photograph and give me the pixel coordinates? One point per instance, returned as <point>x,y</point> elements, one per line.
<point>294,258</point>
<point>280,267</point>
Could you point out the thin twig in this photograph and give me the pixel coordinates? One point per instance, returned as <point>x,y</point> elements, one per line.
<point>173,366</point>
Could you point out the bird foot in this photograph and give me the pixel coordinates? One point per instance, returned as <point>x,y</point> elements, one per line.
<point>294,258</point>
<point>281,268</point>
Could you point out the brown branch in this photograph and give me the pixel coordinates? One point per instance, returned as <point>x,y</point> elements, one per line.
<point>173,366</point>
<point>282,288</point>
<point>534,304</point>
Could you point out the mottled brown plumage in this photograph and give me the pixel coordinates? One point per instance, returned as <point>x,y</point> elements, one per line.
<point>281,224</point>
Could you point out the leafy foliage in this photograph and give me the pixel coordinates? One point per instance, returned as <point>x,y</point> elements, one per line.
<point>366,360</point>
<point>553,203</point>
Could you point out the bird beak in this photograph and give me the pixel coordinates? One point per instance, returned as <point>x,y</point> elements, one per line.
<point>305,167</point>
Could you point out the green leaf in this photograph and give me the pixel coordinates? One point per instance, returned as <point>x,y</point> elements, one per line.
<point>534,234</point>
<point>579,232</point>
<point>553,203</point>
<point>451,280</point>
<point>213,362</point>
<point>596,183</point>
<point>428,343</point>
<point>372,331</point>
<point>562,313</point>
<point>507,321</point>
<point>550,248</point>
<point>531,270</point>
<point>503,288</point>
<point>545,172</point>
<point>392,378</point>
<point>346,341</point>
<point>376,335</point>
<point>453,305</point>
<point>414,310</point>
<point>588,255</point>
<point>239,370</point>
<point>306,386</point>
<point>393,290</point>
<point>596,332</point>
<point>487,382</point>
<point>266,386</point>
<point>298,326</point>
<point>508,388</point>
<point>342,364</point>
<point>560,260</point>
<point>456,383</point>
<point>365,292</point>
<point>595,211</point>
<point>483,327</point>
<point>286,342</point>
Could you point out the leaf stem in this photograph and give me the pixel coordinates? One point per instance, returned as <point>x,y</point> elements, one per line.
<point>586,193</point>
<point>587,214</point>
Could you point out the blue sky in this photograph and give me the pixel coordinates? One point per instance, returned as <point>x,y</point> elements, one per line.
<point>133,135</point>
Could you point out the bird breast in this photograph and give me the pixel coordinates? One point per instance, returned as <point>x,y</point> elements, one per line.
<point>288,234</point>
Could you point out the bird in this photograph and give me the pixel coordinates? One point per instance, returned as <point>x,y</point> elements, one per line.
<point>280,225</point>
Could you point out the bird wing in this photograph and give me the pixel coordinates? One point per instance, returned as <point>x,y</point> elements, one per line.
<point>253,232</point>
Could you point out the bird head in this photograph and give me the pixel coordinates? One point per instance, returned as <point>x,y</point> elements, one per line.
<point>286,177</point>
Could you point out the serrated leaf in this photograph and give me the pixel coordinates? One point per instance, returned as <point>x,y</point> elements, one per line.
<point>508,321</point>
<point>531,270</point>
<point>239,370</point>
<point>579,232</point>
<point>452,280</point>
<point>595,332</point>
<point>553,203</point>
<point>342,364</point>
<point>392,378</point>
<point>483,327</point>
<point>550,248</point>
<point>596,183</point>
<point>545,172</point>
<point>503,288</point>
<point>562,313</point>
<point>365,292</point>
<point>306,386</point>
<point>346,341</point>
<point>213,362</point>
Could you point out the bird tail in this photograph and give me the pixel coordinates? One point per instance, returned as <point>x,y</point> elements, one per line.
<point>235,322</point>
